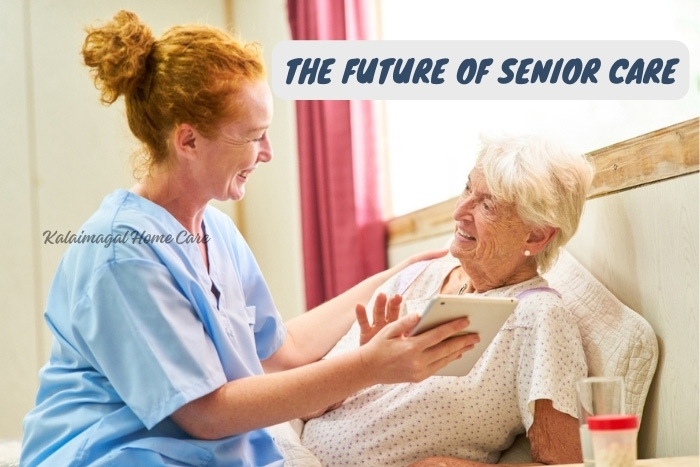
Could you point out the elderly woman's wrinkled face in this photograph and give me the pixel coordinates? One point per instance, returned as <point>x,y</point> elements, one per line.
<point>490,237</point>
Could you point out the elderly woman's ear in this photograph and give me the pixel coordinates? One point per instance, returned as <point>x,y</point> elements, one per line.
<point>539,238</point>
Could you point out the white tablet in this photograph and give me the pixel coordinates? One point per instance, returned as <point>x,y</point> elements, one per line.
<point>486,316</point>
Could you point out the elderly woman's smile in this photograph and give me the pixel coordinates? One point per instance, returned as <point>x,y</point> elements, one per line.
<point>465,235</point>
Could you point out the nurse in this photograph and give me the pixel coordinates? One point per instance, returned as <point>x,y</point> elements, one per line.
<point>173,353</point>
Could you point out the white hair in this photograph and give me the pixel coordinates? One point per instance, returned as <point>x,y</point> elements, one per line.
<point>547,183</point>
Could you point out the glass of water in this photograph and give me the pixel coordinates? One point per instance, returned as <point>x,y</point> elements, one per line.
<point>597,395</point>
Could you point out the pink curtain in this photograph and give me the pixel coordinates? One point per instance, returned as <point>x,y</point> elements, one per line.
<point>343,231</point>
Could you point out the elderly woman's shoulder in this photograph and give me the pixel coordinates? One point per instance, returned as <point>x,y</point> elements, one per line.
<point>543,304</point>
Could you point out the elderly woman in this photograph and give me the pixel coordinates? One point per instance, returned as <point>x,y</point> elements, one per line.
<point>168,348</point>
<point>522,201</point>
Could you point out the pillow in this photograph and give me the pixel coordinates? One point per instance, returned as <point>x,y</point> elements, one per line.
<point>616,339</point>
<point>287,438</point>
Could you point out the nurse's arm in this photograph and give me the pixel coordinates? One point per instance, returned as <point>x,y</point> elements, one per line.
<point>312,334</point>
<point>258,401</point>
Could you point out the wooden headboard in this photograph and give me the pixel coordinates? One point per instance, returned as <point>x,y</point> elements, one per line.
<point>639,236</point>
<point>666,153</point>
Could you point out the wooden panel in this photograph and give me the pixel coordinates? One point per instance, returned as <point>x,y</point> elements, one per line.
<point>649,158</point>
<point>433,220</point>
<point>655,156</point>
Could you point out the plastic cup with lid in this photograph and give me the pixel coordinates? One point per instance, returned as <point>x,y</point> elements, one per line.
<point>614,439</point>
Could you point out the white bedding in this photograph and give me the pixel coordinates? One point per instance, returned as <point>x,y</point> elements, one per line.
<point>288,439</point>
<point>9,452</point>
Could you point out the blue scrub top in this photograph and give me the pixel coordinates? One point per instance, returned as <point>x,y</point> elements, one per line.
<point>139,332</point>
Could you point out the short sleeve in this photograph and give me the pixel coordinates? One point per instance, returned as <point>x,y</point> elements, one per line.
<point>552,359</point>
<point>142,334</point>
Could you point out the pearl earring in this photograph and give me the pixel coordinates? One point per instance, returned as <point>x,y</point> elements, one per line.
<point>526,252</point>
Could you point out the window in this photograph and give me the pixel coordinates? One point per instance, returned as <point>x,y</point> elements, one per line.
<point>430,145</point>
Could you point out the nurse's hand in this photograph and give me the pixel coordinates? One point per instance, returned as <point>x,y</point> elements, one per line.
<point>396,357</point>
<point>385,312</point>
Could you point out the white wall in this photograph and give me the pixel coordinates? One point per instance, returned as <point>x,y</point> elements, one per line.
<point>270,212</point>
<point>18,312</point>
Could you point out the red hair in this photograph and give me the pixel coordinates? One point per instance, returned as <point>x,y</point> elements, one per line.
<point>187,76</point>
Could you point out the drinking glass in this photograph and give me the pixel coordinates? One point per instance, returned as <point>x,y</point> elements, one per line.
<point>597,395</point>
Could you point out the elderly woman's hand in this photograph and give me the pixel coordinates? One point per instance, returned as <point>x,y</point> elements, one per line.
<point>385,312</point>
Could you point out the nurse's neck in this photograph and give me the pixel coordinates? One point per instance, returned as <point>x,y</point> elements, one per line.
<point>177,196</point>
<point>182,205</point>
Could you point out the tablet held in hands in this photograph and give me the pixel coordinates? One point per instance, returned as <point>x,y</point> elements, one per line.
<point>486,317</point>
